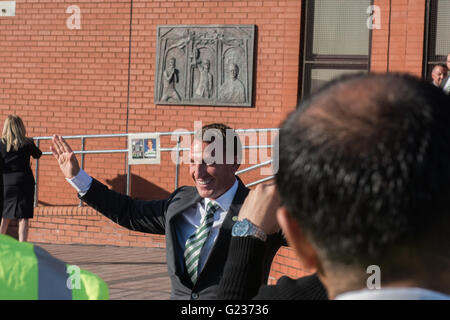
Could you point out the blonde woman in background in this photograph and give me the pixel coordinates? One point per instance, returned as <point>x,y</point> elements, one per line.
<point>18,179</point>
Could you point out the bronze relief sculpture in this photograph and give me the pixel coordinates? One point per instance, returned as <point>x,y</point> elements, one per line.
<point>204,65</point>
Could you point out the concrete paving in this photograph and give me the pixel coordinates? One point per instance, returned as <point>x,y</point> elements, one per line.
<point>131,273</point>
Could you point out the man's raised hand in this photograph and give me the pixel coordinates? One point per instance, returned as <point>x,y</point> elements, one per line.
<point>66,158</point>
<point>260,207</point>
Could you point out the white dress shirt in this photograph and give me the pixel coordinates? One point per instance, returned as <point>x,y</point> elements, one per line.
<point>446,86</point>
<point>188,222</point>
<point>393,294</point>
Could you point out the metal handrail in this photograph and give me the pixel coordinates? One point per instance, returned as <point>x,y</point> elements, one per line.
<point>177,148</point>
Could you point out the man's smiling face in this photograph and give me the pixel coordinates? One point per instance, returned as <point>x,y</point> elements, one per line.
<point>211,179</point>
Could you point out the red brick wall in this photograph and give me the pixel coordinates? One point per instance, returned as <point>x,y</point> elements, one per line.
<point>398,45</point>
<point>74,82</point>
<point>86,226</point>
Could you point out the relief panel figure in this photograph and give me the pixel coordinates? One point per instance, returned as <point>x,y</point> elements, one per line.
<point>170,77</point>
<point>205,83</point>
<point>232,90</point>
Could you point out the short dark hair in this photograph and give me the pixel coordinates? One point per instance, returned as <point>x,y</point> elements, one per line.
<point>364,166</point>
<point>210,132</point>
<point>444,66</point>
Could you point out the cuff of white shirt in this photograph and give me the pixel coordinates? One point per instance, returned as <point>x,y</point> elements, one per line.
<point>81,182</point>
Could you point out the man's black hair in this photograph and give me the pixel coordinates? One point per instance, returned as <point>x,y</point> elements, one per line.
<point>230,140</point>
<point>364,166</point>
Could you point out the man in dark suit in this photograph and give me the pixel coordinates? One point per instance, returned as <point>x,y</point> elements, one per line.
<point>196,243</point>
<point>445,84</point>
<point>438,74</point>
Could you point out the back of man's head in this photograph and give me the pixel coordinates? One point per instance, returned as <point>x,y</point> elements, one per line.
<point>365,169</point>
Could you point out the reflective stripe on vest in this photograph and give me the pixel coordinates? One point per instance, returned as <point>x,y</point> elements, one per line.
<point>30,272</point>
<point>52,277</point>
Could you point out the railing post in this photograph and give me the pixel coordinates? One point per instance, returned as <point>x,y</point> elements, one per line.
<point>177,165</point>
<point>80,204</point>
<point>128,167</point>
<point>36,178</point>
<point>128,178</point>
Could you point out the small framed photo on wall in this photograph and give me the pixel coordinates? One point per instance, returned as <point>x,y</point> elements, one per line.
<point>144,148</point>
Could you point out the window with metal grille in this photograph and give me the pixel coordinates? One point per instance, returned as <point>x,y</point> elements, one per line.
<point>336,41</point>
<point>437,34</point>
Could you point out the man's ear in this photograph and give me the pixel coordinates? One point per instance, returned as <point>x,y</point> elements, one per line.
<point>297,240</point>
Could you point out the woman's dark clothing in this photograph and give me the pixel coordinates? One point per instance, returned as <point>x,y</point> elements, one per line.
<point>18,180</point>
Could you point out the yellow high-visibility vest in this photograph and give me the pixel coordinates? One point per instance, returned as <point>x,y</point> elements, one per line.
<point>28,272</point>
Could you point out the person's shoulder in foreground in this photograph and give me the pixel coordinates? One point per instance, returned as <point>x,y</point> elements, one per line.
<point>393,294</point>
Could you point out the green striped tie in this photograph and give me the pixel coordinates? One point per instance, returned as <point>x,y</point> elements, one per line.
<point>195,242</point>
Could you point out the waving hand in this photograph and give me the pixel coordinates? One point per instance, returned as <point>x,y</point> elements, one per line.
<point>66,158</point>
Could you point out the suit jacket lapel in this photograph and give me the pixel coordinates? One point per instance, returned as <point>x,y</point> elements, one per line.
<point>179,204</point>
<point>236,205</point>
<point>219,251</point>
<point>186,199</point>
